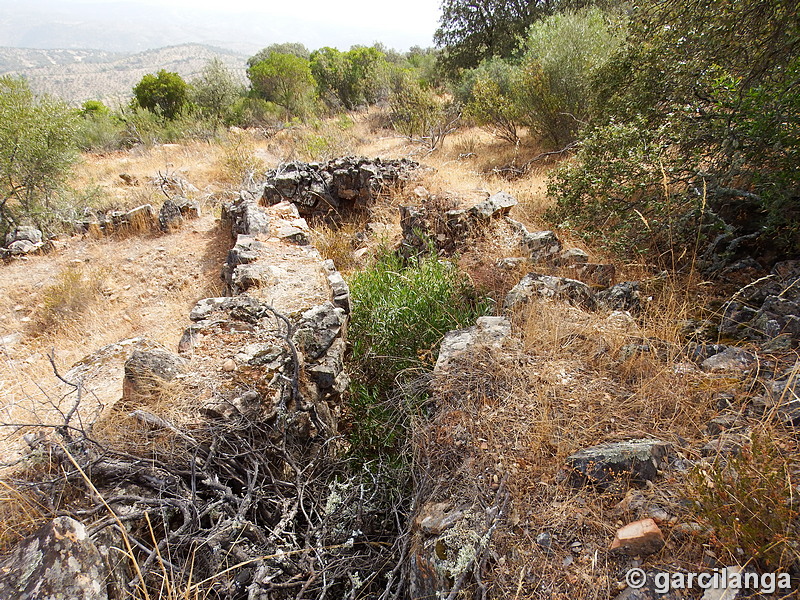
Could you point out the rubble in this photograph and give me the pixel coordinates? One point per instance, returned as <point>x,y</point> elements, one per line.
<point>342,184</point>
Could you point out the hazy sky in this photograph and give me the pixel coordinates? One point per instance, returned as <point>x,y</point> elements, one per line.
<point>398,23</point>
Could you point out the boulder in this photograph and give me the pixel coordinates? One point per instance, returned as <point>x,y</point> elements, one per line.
<point>147,370</point>
<point>190,209</point>
<point>23,247</point>
<point>487,331</point>
<point>623,296</point>
<point>606,465</point>
<point>729,360</point>
<point>24,233</point>
<point>59,561</point>
<point>600,274</point>
<point>170,217</point>
<point>497,205</point>
<point>542,246</point>
<point>571,256</point>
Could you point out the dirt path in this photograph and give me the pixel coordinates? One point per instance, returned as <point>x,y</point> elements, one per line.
<point>145,285</point>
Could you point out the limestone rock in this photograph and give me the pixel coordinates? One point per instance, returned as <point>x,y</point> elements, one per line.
<point>190,209</point>
<point>534,285</point>
<point>600,274</point>
<point>146,370</point>
<point>340,291</point>
<point>24,233</point>
<point>605,465</point>
<point>59,561</point>
<point>623,296</point>
<point>170,217</point>
<point>571,256</point>
<point>346,183</point>
<point>141,218</point>
<point>730,359</point>
<point>23,247</point>
<point>318,328</point>
<point>767,308</point>
<point>497,205</point>
<point>491,331</point>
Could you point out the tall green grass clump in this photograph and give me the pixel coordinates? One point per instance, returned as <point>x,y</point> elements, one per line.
<point>400,314</point>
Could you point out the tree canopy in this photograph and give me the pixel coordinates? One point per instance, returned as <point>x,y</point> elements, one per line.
<point>216,89</point>
<point>284,79</point>
<point>37,149</point>
<point>164,92</point>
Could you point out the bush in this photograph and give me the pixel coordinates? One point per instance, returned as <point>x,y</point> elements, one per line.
<point>216,90</point>
<point>255,112</point>
<point>555,84</point>
<point>147,128</point>
<point>165,93</point>
<point>349,79</point>
<point>37,151</point>
<point>400,315</point>
<point>490,95</point>
<point>719,116</point>
<point>286,80</point>
<point>101,131</point>
<point>421,114</point>
<point>749,502</point>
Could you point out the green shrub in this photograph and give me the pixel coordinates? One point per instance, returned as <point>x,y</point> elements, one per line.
<point>717,117</point>
<point>400,315</point>
<point>255,112</point>
<point>554,88</point>
<point>37,151</point>
<point>216,90</point>
<point>101,131</point>
<point>286,80</point>
<point>421,114</point>
<point>166,93</point>
<point>490,95</point>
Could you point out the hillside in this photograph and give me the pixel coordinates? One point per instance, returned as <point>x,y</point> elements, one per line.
<point>80,75</point>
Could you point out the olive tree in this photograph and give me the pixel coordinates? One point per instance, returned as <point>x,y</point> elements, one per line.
<point>37,149</point>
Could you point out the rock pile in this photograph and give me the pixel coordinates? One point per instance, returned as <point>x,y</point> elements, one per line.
<point>767,310</point>
<point>23,240</point>
<point>342,184</point>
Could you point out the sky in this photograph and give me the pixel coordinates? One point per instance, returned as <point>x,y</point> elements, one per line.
<point>399,24</point>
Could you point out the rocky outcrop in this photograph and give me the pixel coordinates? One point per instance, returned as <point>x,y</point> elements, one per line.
<point>343,184</point>
<point>534,285</point>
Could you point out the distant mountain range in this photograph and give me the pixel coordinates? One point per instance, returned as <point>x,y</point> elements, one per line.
<point>79,75</point>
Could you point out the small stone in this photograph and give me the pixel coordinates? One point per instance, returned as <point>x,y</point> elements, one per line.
<point>638,538</point>
<point>729,360</point>
<point>545,540</point>
<point>229,365</point>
